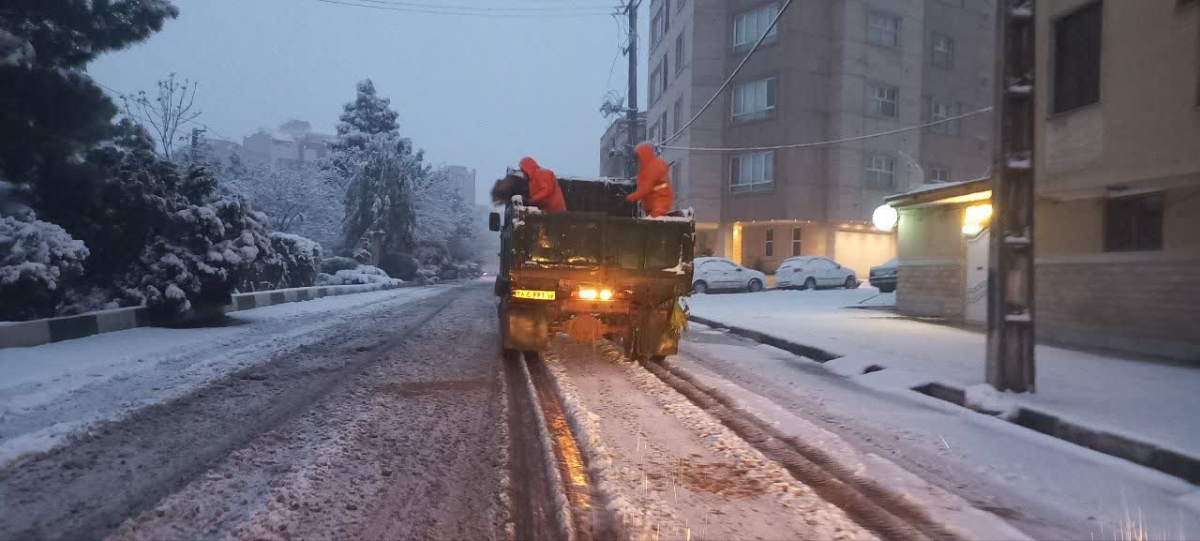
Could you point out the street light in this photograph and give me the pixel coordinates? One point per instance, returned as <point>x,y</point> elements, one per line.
<point>885,217</point>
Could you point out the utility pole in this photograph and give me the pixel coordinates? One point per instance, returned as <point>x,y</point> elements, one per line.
<point>195,147</point>
<point>1010,346</point>
<point>631,115</point>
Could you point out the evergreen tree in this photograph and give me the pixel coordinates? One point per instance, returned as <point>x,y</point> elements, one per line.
<point>51,112</point>
<point>378,169</point>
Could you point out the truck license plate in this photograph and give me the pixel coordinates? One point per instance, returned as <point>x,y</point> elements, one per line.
<point>533,294</point>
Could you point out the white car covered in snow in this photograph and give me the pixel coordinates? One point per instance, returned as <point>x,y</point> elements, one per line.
<point>717,273</point>
<point>812,272</point>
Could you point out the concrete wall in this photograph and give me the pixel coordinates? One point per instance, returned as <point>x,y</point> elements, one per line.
<point>1145,128</point>
<point>932,262</point>
<point>1141,302</point>
<point>754,243</point>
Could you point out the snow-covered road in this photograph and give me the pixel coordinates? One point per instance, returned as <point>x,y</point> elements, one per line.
<point>53,391</point>
<point>392,415</point>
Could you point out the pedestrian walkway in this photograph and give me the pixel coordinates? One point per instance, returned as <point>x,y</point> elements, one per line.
<point>1138,399</point>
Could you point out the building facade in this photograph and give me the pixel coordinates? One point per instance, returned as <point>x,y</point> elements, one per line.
<point>613,145</point>
<point>287,148</point>
<point>829,71</point>
<point>1117,166</point>
<point>1117,175</point>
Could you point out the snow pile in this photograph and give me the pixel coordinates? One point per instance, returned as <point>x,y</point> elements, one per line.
<point>35,257</point>
<point>984,398</point>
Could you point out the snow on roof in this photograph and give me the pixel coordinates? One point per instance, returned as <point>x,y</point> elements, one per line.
<point>928,189</point>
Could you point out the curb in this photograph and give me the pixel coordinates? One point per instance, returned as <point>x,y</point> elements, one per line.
<point>1149,455</point>
<point>802,350</point>
<point>58,329</point>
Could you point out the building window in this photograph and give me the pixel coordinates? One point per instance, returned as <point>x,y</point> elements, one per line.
<point>678,125</point>
<point>748,27</point>
<point>938,173</point>
<point>663,80</point>
<point>754,100</point>
<point>939,111</point>
<point>770,242</point>
<point>662,134</point>
<point>942,54</point>
<point>675,179</point>
<point>883,29</point>
<point>796,241</point>
<point>658,28</point>
<point>1133,223</point>
<point>653,134</point>
<point>753,172</point>
<point>883,100</point>
<point>1077,58</point>
<point>880,173</point>
<point>656,83</point>
<point>679,54</point>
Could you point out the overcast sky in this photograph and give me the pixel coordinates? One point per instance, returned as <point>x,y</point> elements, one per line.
<point>470,90</point>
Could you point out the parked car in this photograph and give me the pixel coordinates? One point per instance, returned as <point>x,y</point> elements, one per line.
<point>884,276</point>
<point>718,273</point>
<point>812,272</point>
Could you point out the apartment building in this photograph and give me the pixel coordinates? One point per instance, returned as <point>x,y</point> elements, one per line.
<point>1117,166</point>
<point>293,145</point>
<point>828,71</point>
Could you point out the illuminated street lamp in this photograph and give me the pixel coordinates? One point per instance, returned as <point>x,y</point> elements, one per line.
<point>885,217</point>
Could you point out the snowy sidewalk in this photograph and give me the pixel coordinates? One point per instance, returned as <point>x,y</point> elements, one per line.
<point>1140,400</point>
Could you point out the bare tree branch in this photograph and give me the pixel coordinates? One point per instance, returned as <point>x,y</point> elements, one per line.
<point>162,116</point>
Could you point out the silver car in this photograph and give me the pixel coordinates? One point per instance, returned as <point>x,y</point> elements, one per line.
<point>720,274</point>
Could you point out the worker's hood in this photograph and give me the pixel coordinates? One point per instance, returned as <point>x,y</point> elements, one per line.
<point>529,167</point>
<point>645,153</point>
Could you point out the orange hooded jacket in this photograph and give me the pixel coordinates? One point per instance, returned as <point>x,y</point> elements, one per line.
<point>543,187</point>
<point>653,183</point>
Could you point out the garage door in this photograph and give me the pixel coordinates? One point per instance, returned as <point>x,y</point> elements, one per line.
<point>861,251</point>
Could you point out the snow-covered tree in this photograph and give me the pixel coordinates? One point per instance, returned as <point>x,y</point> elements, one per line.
<point>377,169</point>
<point>162,234</point>
<point>51,112</point>
<point>38,260</point>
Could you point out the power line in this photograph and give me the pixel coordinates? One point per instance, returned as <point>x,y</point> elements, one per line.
<point>471,13</point>
<point>761,38</point>
<point>835,141</point>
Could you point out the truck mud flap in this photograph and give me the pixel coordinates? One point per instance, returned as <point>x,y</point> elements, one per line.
<point>528,327</point>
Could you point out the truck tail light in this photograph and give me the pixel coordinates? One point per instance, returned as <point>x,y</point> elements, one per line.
<point>595,294</point>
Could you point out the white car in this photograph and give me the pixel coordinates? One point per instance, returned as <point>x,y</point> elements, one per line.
<point>812,272</point>
<point>716,273</point>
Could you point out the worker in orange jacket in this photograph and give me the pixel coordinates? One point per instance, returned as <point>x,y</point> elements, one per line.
<point>543,187</point>
<point>653,183</point>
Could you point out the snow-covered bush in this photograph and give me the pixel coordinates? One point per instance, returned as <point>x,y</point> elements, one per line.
<point>363,274</point>
<point>427,275</point>
<point>333,264</point>
<point>201,255</point>
<point>37,260</point>
<point>301,257</point>
<point>292,261</point>
<point>161,235</point>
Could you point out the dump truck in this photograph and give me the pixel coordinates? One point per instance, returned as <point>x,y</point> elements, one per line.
<point>597,271</point>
